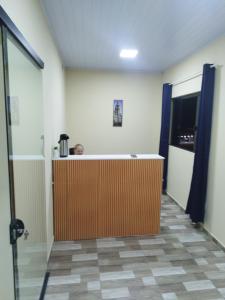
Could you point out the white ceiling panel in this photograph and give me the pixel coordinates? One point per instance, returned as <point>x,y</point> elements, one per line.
<point>90,33</point>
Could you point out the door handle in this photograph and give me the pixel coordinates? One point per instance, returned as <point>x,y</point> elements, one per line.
<point>26,234</point>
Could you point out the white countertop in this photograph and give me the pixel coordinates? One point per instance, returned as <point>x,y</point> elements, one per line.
<point>110,157</point>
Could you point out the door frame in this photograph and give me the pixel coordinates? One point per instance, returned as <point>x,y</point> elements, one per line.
<point>11,27</point>
<point>7,26</point>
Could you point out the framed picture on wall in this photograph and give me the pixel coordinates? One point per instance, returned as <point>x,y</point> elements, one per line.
<point>117,113</point>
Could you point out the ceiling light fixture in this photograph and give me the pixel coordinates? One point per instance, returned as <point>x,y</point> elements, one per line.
<point>128,53</point>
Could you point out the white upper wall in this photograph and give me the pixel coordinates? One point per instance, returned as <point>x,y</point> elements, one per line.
<point>30,20</point>
<point>215,205</point>
<point>89,111</point>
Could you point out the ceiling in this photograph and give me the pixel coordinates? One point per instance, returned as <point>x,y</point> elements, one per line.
<point>89,34</point>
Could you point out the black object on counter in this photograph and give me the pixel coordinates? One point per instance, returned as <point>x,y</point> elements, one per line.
<point>63,145</point>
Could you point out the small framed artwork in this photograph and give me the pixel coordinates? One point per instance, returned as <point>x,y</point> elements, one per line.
<point>117,113</point>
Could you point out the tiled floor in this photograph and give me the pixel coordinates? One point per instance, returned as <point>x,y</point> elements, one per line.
<point>180,263</point>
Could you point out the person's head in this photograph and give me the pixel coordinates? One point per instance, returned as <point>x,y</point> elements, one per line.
<point>78,149</point>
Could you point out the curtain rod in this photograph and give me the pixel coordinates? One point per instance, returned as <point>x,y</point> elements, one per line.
<point>186,79</point>
<point>192,76</point>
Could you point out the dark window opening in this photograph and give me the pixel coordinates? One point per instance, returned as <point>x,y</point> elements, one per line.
<point>184,121</point>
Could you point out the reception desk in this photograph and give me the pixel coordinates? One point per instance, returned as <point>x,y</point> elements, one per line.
<point>106,195</point>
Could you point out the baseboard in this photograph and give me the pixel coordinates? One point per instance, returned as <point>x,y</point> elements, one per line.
<point>50,248</point>
<point>172,197</point>
<point>214,238</point>
<point>44,286</point>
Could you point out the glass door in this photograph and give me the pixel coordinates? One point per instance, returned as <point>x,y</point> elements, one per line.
<point>26,164</point>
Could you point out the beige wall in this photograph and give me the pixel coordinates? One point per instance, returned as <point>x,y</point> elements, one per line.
<point>215,207</point>
<point>180,162</point>
<point>29,18</point>
<point>89,111</point>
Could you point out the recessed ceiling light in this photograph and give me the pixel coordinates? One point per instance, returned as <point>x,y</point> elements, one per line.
<point>128,53</point>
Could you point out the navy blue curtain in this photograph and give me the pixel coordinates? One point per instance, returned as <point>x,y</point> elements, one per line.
<point>165,128</point>
<point>197,195</point>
